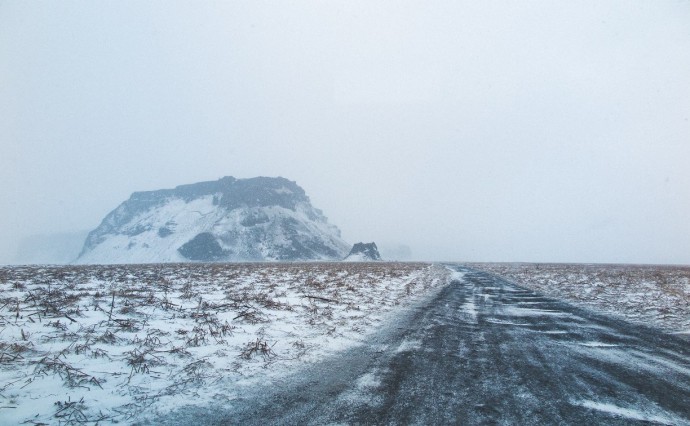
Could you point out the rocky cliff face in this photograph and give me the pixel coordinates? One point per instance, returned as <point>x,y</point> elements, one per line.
<point>362,252</point>
<point>225,220</point>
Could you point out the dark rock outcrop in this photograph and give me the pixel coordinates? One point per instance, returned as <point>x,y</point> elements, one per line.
<point>364,252</point>
<point>203,247</point>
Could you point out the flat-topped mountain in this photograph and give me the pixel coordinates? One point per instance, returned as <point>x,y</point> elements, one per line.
<point>229,219</point>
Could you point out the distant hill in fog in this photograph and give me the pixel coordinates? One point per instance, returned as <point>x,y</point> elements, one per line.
<point>229,219</point>
<point>59,248</point>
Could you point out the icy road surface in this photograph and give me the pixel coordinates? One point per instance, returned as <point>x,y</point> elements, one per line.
<point>483,351</point>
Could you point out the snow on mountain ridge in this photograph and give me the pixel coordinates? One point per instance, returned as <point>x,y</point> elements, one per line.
<point>245,219</point>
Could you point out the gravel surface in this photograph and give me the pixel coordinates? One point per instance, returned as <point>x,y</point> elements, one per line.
<point>481,351</point>
<point>645,294</point>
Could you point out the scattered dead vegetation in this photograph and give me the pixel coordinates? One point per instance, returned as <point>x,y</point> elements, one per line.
<point>139,333</point>
<point>257,348</point>
<point>650,294</point>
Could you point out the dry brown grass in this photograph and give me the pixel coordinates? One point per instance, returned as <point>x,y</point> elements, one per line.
<point>153,331</point>
<point>650,294</point>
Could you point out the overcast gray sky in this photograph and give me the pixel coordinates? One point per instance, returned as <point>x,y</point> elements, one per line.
<point>468,130</point>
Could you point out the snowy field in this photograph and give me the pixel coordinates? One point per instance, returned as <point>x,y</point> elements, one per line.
<point>653,295</point>
<point>106,344</point>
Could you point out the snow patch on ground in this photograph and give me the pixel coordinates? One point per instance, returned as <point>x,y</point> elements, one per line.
<point>457,275</point>
<point>503,322</point>
<point>525,312</point>
<point>661,363</point>
<point>368,381</point>
<point>105,344</point>
<point>364,391</point>
<point>598,345</point>
<point>409,345</point>
<point>469,308</point>
<point>628,413</point>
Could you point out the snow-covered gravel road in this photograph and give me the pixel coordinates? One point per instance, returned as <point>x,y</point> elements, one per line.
<point>482,351</point>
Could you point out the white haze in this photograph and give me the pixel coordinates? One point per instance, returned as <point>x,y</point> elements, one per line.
<point>466,130</point>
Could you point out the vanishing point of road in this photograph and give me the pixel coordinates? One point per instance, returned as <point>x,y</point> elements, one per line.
<point>483,351</point>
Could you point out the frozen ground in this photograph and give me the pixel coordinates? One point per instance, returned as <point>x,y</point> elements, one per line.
<point>652,295</point>
<point>123,343</point>
<point>482,351</point>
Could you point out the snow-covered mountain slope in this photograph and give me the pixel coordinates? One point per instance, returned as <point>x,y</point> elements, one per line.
<point>226,220</point>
